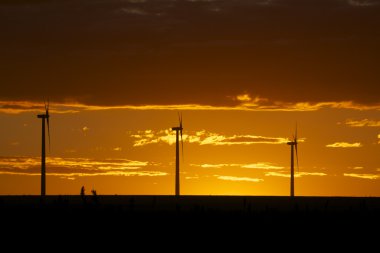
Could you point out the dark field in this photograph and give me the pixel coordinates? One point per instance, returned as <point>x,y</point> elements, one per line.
<point>200,216</point>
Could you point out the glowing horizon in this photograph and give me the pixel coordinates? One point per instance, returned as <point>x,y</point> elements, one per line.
<point>218,156</point>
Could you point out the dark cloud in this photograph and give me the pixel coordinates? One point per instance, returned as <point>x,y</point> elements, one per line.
<point>170,52</point>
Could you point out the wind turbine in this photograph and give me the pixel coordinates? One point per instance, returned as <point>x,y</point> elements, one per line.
<point>178,130</point>
<point>293,144</point>
<point>44,117</point>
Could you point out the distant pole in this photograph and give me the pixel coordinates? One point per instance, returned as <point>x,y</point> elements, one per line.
<point>43,160</point>
<point>177,164</point>
<point>292,170</point>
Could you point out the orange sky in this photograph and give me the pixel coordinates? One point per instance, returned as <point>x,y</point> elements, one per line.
<point>241,72</point>
<point>126,151</point>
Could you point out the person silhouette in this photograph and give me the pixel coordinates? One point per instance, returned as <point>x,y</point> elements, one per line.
<point>82,191</point>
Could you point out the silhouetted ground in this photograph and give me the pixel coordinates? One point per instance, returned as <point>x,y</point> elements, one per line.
<point>195,218</point>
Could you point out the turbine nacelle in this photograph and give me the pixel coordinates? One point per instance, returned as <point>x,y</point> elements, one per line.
<point>43,116</point>
<point>46,117</point>
<point>179,129</point>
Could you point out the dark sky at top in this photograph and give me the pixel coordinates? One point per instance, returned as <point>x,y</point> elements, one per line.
<point>111,52</point>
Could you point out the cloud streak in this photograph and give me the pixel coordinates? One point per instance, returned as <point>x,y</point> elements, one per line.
<point>362,3</point>
<point>77,167</point>
<point>298,174</point>
<point>344,145</point>
<point>356,168</point>
<point>362,176</point>
<point>243,104</point>
<point>202,137</point>
<point>239,179</point>
<point>134,11</point>
<point>259,166</point>
<point>363,123</point>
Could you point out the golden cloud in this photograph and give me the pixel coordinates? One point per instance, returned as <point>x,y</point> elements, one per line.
<point>243,98</point>
<point>74,175</point>
<point>362,123</point>
<point>246,103</point>
<point>265,166</point>
<point>363,176</point>
<point>357,168</point>
<point>260,166</point>
<point>76,167</point>
<point>239,179</point>
<point>202,137</point>
<point>298,174</point>
<point>344,145</point>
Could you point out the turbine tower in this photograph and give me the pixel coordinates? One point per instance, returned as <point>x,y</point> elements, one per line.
<point>44,117</point>
<point>293,144</point>
<point>178,131</point>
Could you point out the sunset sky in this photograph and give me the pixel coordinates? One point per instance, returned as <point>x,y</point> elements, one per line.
<point>243,73</point>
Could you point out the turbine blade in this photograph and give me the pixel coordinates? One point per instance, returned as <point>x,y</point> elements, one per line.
<point>48,126</point>
<point>47,120</point>
<point>296,145</point>
<point>183,155</point>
